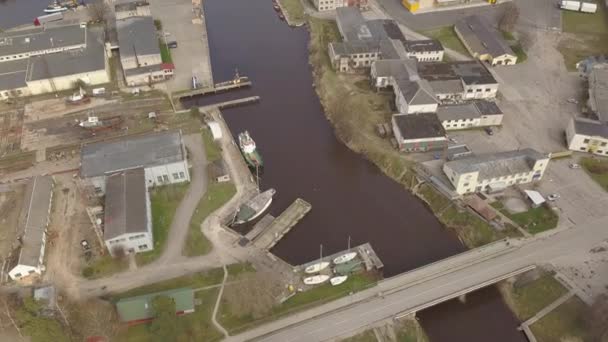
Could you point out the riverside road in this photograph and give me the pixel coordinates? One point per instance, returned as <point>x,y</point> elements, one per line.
<point>402,294</point>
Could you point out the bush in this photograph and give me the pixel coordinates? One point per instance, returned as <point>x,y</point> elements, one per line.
<point>87,272</point>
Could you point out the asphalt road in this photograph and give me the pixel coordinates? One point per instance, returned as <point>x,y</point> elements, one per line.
<point>315,325</point>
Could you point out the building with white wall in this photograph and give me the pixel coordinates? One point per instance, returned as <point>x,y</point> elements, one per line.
<point>328,5</point>
<point>127,216</point>
<point>418,132</point>
<point>412,97</point>
<point>426,50</point>
<point>495,172</point>
<point>478,113</point>
<point>384,72</point>
<point>584,135</point>
<point>32,229</point>
<point>161,155</point>
<point>457,81</point>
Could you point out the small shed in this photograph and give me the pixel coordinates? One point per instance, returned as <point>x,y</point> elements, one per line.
<point>216,130</point>
<point>218,171</point>
<point>136,310</point>
<point>481,207</point>
<point>535,197</point>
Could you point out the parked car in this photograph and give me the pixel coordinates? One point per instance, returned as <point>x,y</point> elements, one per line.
<point>553,197</point>
<point>85,245</point>
<point>575,166</point>
<point>489,130</point>
<point>572,101</point>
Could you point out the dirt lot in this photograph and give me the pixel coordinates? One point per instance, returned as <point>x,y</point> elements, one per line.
<point>10,131</point>
<point>11,202</point>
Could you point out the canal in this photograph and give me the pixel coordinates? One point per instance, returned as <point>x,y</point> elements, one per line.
<point>349,195</point>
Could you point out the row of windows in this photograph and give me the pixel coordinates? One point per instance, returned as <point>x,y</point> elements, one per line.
<point>596,151</point>
<point>144,246</point>
<point>427,59</point>
<point>7,93</point>
<point>176,176</point>
<point>138,236</point>
<point>586,141</point>
<point>479,90</point>
<point>461,125</point>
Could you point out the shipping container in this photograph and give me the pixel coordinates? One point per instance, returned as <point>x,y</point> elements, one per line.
<point>588,7</point>
<point>43,19</point>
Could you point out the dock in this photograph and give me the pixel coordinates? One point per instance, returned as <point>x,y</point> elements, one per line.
<point>260,227</point>
<point>231,103</point>
<point>365,253</point>
<point>282,224</point>
<point>218,88</point>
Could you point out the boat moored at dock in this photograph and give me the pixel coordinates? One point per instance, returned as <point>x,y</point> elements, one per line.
<point>253,208</point>
<point>250,152</point>
<point>338,280</point>
<point>346,257</point>
<point>318,267</point>
<point>314,280</point>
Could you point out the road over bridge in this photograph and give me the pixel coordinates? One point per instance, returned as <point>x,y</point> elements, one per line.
<point>427,286</point>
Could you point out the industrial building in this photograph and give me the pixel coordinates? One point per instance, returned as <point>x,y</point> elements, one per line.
<point>478,113</point>
<point>28,259</point>
<point>412,97</point>
<point>495,172</point>
<point>127,215</point>
<point>484,42</point>
<point>418,132</point>
<point>50,59</point>
<point>161,155</point>
<point>584,135</point>
<point>598,93</point>
<point>329,5</point>
<point>457,81</point>
<point>138,310</point>
<point>418,6</point>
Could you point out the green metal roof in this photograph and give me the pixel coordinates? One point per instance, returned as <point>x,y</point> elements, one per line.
<point>140,307</point>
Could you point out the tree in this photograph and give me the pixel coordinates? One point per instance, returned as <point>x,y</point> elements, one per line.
<point>509,17</point>
<point>78,84</point>
<point>37,327</point>
<point>98,10</point>
<point>164,325</point>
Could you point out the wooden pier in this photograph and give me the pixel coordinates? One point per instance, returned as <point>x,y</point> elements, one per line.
<point>260,227</point>
<point>218,88</point>
<point>231,103</point>
<point>365,253</point>
<point>282,224</point>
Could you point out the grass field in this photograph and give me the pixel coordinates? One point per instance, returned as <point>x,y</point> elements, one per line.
<point>584,35</point>
<point>535,220</point>
<point>448,38</point>
<point>164,201</point>
<point>212,149</point>
<point>217,195</point>
<point>366,336</point>
<point>409,330</point>
<point>295,11</point>
<point>565,323</point>
<point>165,52</point>
<point>597,169</point>
<point>236,322</point>
<point>103,266</point>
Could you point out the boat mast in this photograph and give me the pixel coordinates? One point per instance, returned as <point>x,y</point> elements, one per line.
<point>349,243</point>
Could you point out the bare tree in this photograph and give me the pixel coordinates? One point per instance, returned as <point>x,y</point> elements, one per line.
<point>509,17</point>
<point>254,294</point>
<point>98,10</point>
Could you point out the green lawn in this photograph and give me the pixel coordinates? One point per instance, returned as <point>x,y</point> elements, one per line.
<point>410,331</point>
<point>586,35</point>
<point>217,195</point>
<point>519,52</point>
<point>236,322</point>
<point>565,323</point>
<point>103,266</point>
<point>295,10</point>
<point>212,149</point>
<point>366,336</point>
<point>535,220</point>
<point>597,169</point>
<point>195,326</point>
<point>164,201</point>
<point>529,299</point>
<point>448,38</point>
<point>165,52</point>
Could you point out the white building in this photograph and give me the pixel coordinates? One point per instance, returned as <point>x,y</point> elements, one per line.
<point>32,229</point>
<point>478,113</point>
<point>495,172</point>
<point>585,135</point>
<point>162,155</point>
<point>413,97</point>
<point>427,50</point>
<point>127,215</point>
<point>457,81</point>
<point>329,5</point>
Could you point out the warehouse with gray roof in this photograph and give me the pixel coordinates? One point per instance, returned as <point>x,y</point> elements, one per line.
<point>484,42</point>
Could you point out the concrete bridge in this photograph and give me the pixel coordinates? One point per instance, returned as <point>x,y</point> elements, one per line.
<point>427,286</point>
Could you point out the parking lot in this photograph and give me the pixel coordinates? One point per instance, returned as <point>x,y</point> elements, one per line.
<point>191,57</point>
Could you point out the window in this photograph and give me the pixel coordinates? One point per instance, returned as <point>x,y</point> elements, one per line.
<point>469,90</point>
<point>603,144</point>
<point>144,246</point>
<point>586,141</point>
<point>478,90</point>
<point>160,179</point>
<point>488,90</point>
<point>466,184</point>
<point>18,275</point>
<point>583,148</point>
<point>175,175</point>
<point>182,175</point>
<point>165,178</point>
<point>600,151</point>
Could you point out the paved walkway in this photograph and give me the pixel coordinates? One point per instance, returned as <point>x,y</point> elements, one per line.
<point>196,190</point>
<point>217,305</point>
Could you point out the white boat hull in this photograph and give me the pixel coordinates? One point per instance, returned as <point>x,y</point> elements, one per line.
<point>345,258</point>
<point>55,10</point>
<point>317,267</point>
<point>314,280</point>
<point>338,280</point>
<point>257,214</point>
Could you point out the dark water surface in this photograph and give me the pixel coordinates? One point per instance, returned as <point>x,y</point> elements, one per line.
<point>349,196</point>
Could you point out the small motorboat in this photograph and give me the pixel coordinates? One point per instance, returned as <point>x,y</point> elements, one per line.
<point>55,7</point>
<point>281,16</point>
<point>276,7</point>
<point>346,257</point>
<point>314,280</point>
<point>337,280</point>
<point>314,268</point>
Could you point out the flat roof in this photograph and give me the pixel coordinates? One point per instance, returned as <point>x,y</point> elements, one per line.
<point>126,205</point>
<point>137,35</point>
<point>102,158</point>
<point>40,38</point>
<point>482,38</point>
<point>500,164</point>
<point>12,74</point>
<point>419,126</point>
<point>591,128</point>
<point>397,68</point>
<point>425,45</point>
<point>76,61</point>
<point>457,112</point>
<point>487,107</point>
<point>447,86</point>
<point>352,47</point>
<point>470,72</point>
<point>38,207</point>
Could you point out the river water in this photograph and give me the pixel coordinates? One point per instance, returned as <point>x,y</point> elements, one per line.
<point>350,197</point>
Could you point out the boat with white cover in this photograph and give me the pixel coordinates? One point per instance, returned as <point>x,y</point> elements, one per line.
<point>317,279</point>
<point>314,268</point>
<point>346,257</point>
<point>338,280</point>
